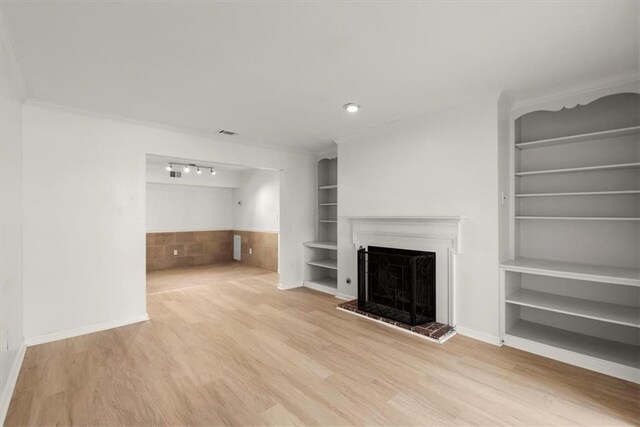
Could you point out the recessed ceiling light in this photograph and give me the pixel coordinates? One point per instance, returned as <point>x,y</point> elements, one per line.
<point>351,107</point>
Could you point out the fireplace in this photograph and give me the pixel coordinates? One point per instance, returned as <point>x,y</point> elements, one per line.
<point>397,284</point>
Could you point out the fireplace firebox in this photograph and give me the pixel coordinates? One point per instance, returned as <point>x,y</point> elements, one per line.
<point>398,284</point>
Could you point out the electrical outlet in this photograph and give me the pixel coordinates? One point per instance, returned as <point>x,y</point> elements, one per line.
<point>250,251</point>
<point>175,252</point>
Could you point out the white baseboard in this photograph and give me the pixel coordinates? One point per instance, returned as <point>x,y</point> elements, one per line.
<point>344,297</point>
<point>12,379</point>
<point>284,287</point>
<point>83,330</point>
<point>479,335</point>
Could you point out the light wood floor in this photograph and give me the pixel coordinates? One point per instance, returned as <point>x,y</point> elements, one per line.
<point>241,352</point>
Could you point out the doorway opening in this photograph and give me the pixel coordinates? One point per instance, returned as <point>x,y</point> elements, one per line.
<point>209,223</point>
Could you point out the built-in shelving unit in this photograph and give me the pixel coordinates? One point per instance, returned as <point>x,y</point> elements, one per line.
<point>589,309</point>
<point>571,270</point>
<point>321,255</point>
<point>581,169</point>
<point>580,193</point>
<point>588,218</point>
<point>572,288</point>
<point>591,136</point>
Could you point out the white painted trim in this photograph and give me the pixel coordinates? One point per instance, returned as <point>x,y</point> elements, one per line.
<point>310,284</point>
<point>284,287</point>
<point>191,230</point>
<point>577,359</point>
<point>257,230</point>
<point>83,330</point>
<point>10,385</point>
<point>345,297</point>
<point>397,328</point>
<point>479,335</point>
<point>171,128</point>
<point>578,95</point>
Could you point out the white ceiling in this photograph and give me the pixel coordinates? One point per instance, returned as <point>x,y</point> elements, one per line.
<point>279,73</point>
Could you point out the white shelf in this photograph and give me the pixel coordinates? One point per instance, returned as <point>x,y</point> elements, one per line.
<point>331,264</point>
<point>605,312</point>
<point>580,169</point>
<point>327,187</point>
<point>613,133</point>
<point>580,193</point>
<point>326,284</point>
<point>330,221</point>
<point>583,218</point>
<point>569,270</point>
<point>322,245</point>
<point>328,204</point>
<point>584,345</point>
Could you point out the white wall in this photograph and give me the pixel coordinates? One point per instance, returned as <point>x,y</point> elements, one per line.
<point>173,207</point>
<point>84,220</point>
<point>444,163</point>
<point>260,197</point>
<point>11,281</point>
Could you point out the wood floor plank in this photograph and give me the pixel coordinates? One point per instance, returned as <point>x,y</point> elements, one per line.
<point>225,347</point>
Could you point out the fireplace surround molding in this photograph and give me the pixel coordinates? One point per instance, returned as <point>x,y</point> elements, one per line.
<point>439,234</point>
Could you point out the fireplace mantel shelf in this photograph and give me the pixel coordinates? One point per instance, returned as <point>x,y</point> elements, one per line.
<point>438,227</point>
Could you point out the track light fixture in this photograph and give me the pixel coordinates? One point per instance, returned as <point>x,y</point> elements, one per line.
<point>186,167</point>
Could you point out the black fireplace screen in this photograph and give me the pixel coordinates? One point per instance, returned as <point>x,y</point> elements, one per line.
<point>397,284</point>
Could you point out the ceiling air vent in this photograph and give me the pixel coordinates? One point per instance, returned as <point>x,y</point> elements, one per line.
<point>175,174</point>
<point>227,132</point>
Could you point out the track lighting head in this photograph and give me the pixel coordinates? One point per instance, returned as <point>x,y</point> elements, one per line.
<point>169,167</point>
<point>213,172</point>
<point>198,171</point>
<point>186,169</point>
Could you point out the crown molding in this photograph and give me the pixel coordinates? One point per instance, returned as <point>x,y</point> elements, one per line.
<point>7,45</point>
<point>156,125</point>
<point>579,94</point>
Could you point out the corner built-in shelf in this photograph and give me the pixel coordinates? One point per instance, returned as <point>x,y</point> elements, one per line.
<point>582,218</point>
<point>528,336</point>
<point>331,264</point>
<point>581,169</point>
<point>581,193</point>
<point>589,309</point>
<point>592,136</point>
<point>320,268</point>
<point>322,245</point>
<point>570,270</point>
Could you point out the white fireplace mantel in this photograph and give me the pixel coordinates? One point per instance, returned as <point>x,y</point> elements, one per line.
<point>439,234</point>
<point>432,227</point>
